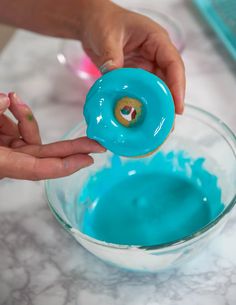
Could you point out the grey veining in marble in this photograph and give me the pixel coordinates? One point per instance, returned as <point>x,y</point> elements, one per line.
<point>39,262</point>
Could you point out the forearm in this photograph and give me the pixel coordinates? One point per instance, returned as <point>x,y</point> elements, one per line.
<point>61,18</point>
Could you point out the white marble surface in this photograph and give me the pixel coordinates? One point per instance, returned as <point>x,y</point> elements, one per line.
<point>39,262</point>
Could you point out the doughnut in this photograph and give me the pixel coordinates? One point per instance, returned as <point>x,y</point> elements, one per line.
<point>129,111</point>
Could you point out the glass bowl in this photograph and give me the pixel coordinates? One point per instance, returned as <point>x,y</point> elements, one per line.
<point>199,134</point>
<point>75,59</point>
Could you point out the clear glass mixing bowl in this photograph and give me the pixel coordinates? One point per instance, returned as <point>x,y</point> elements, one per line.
<point>198,133</point>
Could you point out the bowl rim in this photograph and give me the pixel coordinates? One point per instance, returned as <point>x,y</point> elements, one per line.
<point>178,242</point>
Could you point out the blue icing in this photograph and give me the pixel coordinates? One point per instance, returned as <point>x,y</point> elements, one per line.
<point>139,84</point>
<point>149,201</point>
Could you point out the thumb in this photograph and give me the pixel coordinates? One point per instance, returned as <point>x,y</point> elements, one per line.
<point>111,57</point>
<point>4,103</point>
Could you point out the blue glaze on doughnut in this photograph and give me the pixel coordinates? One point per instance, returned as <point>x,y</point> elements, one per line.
<point>158,117</point>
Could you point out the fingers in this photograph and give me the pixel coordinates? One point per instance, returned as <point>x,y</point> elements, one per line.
<point>108,54</point>
<point>22,166</point>
<point>5,140</point>
<point>170,62</point>
<point>154,44</point>
<point>62,149</point>
<point>17,143</point>
<point>135,60</point>
<point>4,103</point>
<point>8,127</point>
<point>27,124</point>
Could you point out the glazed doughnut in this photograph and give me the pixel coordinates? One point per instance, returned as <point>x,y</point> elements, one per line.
<point>129,111</point>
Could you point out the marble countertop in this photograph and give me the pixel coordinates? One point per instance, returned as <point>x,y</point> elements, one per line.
<point>39,262</point>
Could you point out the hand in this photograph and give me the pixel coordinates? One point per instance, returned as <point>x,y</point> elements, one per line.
<point>23,156</point>
<point>114,37</point>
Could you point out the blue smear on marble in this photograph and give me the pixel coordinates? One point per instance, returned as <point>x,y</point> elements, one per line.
<point>149,201</point>
<point>157,104</point>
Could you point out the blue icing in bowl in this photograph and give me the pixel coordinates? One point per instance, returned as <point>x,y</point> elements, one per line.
<point>158,200</point>
<point>143,123</point>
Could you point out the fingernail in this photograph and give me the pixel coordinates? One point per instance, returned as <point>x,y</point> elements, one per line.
<point>101,150</point>
<point>107,66</point>
<point>173,127</point>
<point>182,107</point>
<point>182,99</point>
<point>180,103</point>
<point>179,110</point>
<point>89,163</point>
<point>18,100</point>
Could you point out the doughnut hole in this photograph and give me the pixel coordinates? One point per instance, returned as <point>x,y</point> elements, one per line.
<point>129,111</point>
